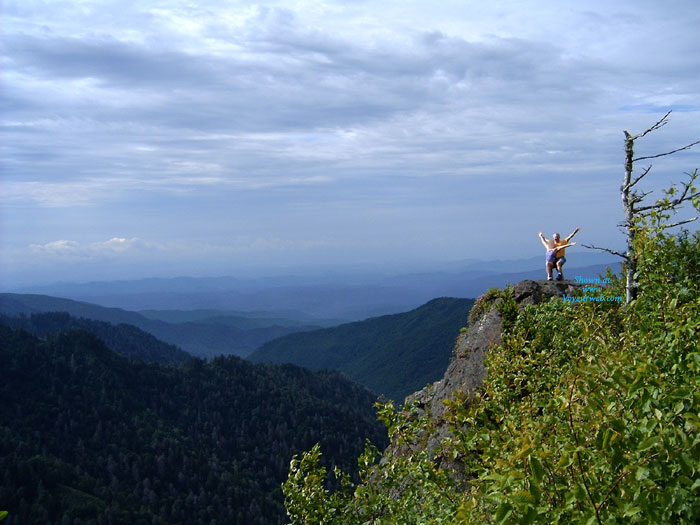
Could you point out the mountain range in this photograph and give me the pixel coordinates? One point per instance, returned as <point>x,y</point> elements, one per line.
<point>125,339</point>
<point>200,333</point>
<point>392,355</point>
<point>321,299</point>
<point>87,433</point>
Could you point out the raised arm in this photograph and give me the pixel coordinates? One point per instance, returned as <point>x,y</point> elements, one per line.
<point>544,240</point>
<point>572,234</point>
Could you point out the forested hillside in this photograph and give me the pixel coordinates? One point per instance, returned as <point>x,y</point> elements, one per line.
<point>88,436</point>
<point>392,355</point>
<point>124,339</point>
<point>589,414</point>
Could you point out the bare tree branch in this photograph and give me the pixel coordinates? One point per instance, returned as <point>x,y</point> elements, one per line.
<point>662,122</point>
<point>667,153</point>
<point>635,181</point>
<point>591,247</point>
<point>637,197</point>
<point>679,223</point>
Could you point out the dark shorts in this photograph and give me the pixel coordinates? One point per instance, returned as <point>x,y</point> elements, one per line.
<point>562,259</point>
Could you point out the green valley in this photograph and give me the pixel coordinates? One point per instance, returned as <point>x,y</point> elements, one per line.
<point>393,355</point>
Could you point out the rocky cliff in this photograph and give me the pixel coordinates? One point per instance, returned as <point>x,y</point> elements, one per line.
<point>466,371</point>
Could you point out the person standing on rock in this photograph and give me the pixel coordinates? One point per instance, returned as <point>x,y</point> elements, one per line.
<point>556,248</point>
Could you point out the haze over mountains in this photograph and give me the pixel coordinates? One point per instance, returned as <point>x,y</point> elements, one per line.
<point>228,315</point>
<point>320,299</point>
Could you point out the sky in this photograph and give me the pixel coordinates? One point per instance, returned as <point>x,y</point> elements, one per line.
<point>162,138</point>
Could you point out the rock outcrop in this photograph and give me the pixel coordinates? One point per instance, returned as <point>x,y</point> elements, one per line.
<point>466,372</point>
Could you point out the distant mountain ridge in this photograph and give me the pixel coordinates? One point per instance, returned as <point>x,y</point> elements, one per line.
<point>393,355</point>
<point>311,299</point>
<point>217,336</point>
<point>243,320</point>
<point>125,339</point>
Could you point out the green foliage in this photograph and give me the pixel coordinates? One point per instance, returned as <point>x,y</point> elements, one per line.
<point>508,309</point>
<point>483,304</point>
<point>400,490</point>
<point>3,514</point>
<point>589,414</point>
<point>504,302</point>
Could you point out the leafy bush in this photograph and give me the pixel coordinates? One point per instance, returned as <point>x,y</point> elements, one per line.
<point>589,414</point>
<point>399,490</point>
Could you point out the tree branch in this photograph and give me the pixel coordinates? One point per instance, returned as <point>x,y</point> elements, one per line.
<point>637,197</point>
<point>662,207</point>
<point>591,247</point>
<point>662,122</point>
<point>582,471</point>
<point>684,197</point>
<point>635,181</point>
<point>671,204</point>
<point>679,223</point>
<point>667,153</point>
<point>612,488</point>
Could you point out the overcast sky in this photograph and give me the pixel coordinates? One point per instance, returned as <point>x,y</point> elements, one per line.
<point>161,138</point>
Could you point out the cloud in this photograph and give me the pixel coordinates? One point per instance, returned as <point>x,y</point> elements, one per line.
<point>294,122</point>
<point>63,194</point>
<point>283,75</point>
<point>114,247</point>
<point>108,61</point>
<point>118,245</point>
<point>59,248</point>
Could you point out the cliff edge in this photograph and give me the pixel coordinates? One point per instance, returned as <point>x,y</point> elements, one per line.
<point>466,371</point>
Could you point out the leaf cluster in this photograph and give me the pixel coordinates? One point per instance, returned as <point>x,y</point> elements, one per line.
<point>403,488</point>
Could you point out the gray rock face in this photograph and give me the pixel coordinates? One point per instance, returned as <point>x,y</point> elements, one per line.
<point>466,372</point>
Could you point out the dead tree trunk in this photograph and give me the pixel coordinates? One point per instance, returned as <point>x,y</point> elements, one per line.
<point>635,213</point>
<point>628,207</point>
